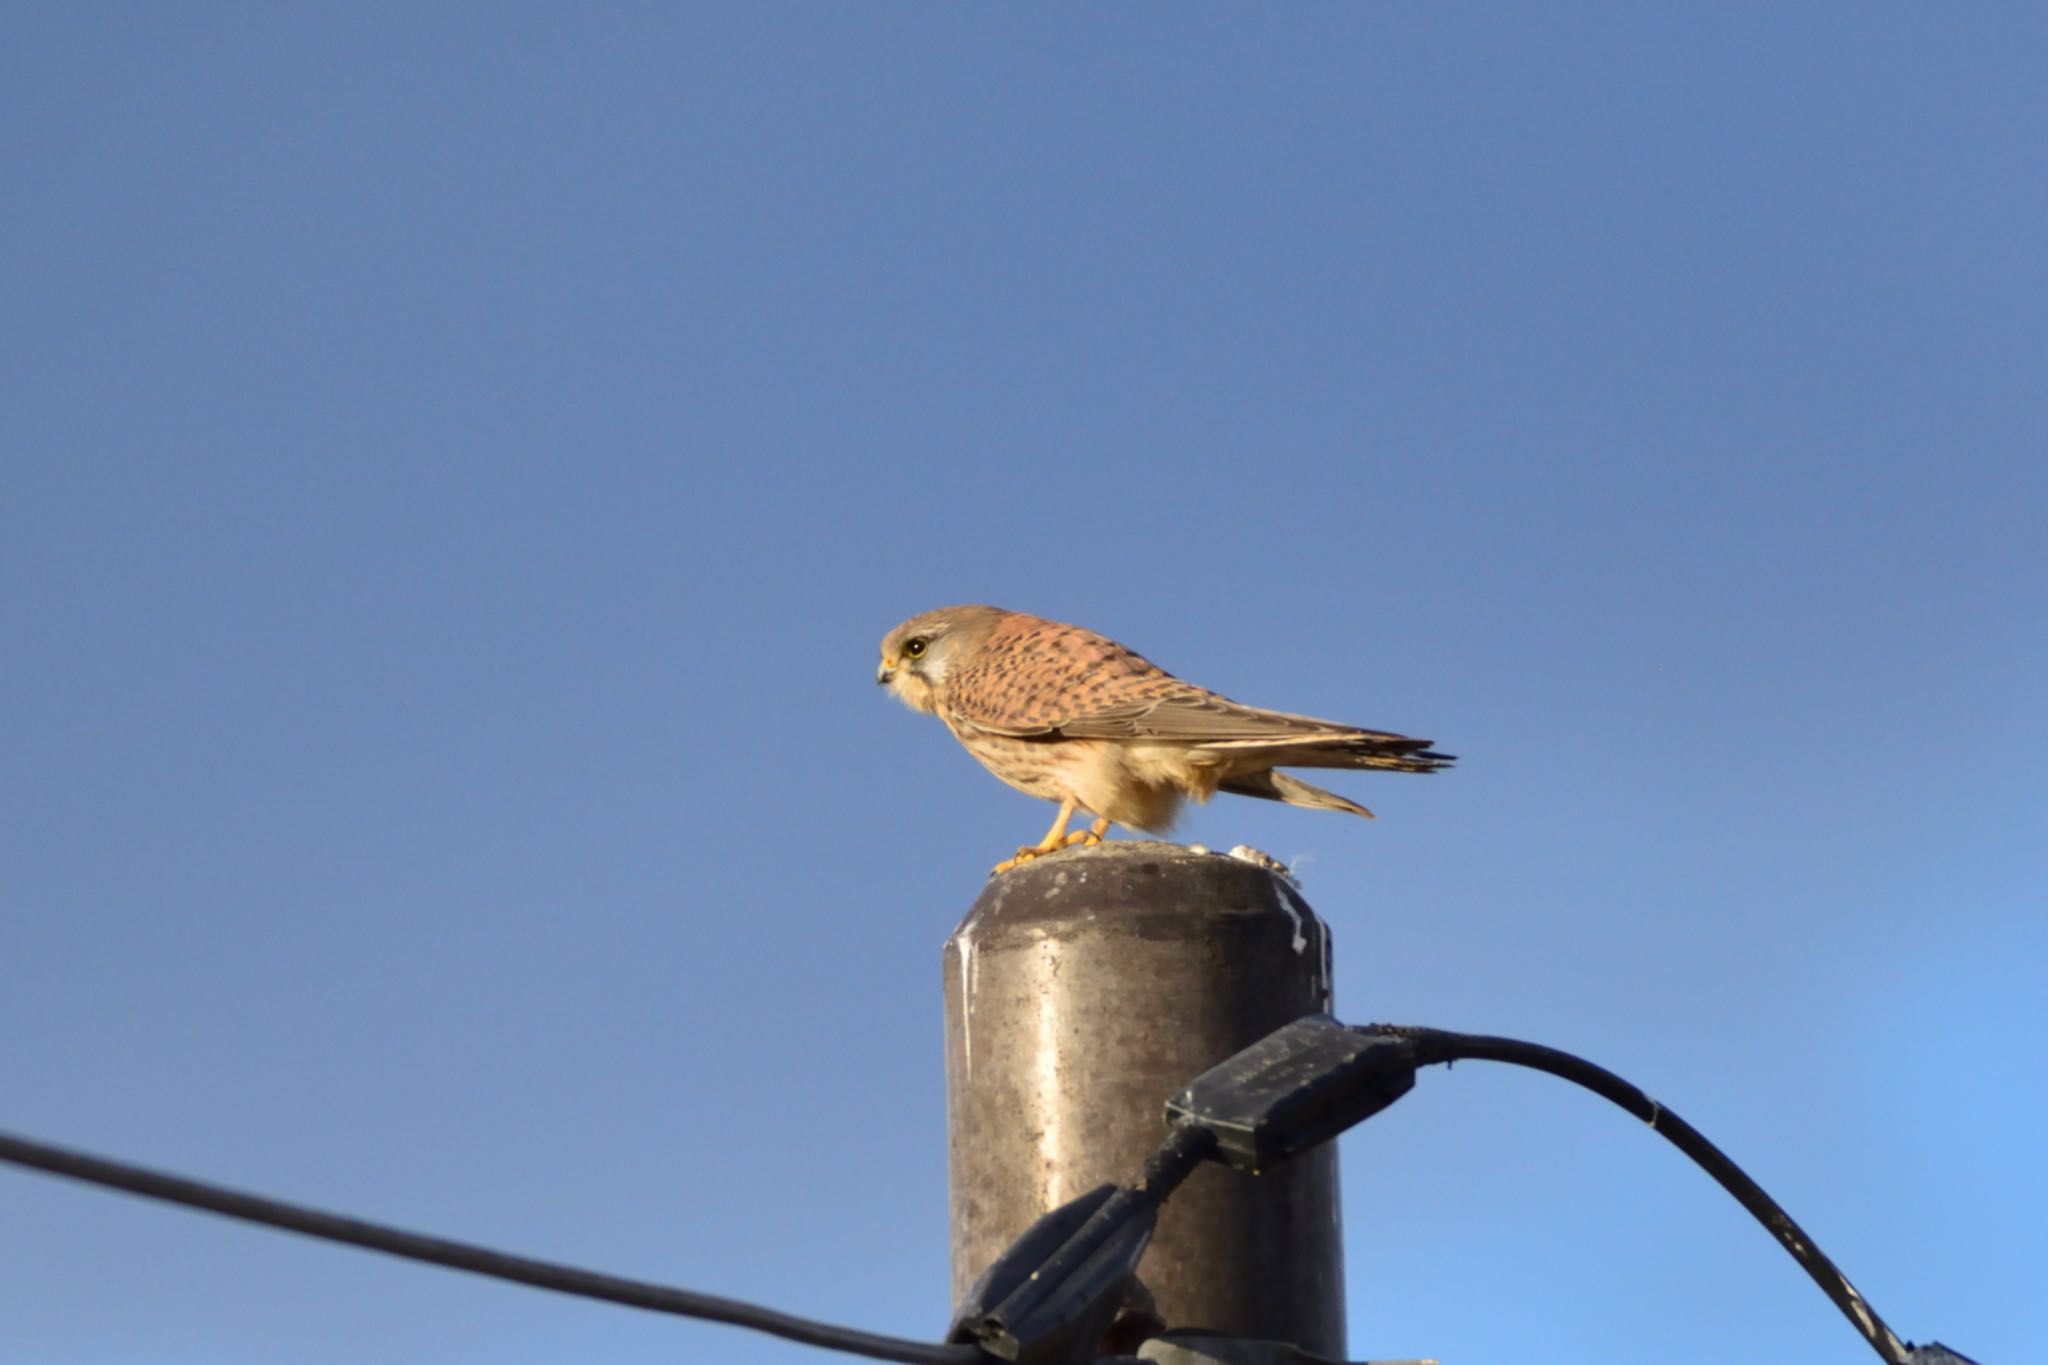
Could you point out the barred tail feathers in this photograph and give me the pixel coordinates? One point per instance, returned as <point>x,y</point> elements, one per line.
<point>1278,786</point>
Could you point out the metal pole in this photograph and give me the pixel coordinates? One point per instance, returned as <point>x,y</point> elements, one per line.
<point>1082,990</point>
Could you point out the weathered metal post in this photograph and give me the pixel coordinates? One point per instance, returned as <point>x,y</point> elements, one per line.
<point>1082,990</point>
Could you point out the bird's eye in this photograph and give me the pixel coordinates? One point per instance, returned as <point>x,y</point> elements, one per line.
<point>914,648</point>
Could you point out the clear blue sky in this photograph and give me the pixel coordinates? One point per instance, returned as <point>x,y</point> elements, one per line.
<point>458,463</point>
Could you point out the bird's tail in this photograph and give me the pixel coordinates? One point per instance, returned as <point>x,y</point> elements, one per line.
<point>1387,753</point>
<point>1278,786</point>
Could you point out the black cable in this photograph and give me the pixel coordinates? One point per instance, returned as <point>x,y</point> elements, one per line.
<point>1435,1046</point>
<point>1187,1145</point>
<point>474,1259</point>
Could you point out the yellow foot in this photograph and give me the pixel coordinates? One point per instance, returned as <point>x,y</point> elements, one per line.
<point>1024,855</point>
<point>1084,838</point>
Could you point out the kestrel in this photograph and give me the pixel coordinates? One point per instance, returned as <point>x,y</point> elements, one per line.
<point>1062,713</point>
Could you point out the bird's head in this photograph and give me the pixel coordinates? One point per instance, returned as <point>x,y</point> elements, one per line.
<point>918,655</point>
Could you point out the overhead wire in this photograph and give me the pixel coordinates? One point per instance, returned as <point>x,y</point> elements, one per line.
<point>1187,1146</point>
<point>472,1259</point>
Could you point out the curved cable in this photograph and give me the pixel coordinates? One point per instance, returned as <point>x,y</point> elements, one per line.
<point>475,1260</point>
<point>1435,1046</point>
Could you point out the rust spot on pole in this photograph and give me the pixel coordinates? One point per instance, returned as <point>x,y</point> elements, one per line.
<point>1082,991</point>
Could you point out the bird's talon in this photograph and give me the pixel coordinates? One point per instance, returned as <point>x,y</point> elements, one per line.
<point>1024,855</point>
<point>1081,838</point>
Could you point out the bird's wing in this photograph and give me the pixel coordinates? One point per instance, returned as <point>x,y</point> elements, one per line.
<point>1250,735</point>
<point>1190,717</point>
<point>1202,718</point>
<point>1041,680</point>
<point>1034,678</point>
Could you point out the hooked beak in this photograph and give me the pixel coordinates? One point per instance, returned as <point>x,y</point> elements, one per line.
<point>886,671</point>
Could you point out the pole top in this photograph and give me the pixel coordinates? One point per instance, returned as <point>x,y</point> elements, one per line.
<point>1147,884</point>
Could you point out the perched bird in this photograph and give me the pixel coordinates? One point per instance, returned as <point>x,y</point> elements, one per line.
<point>1062,713</point>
